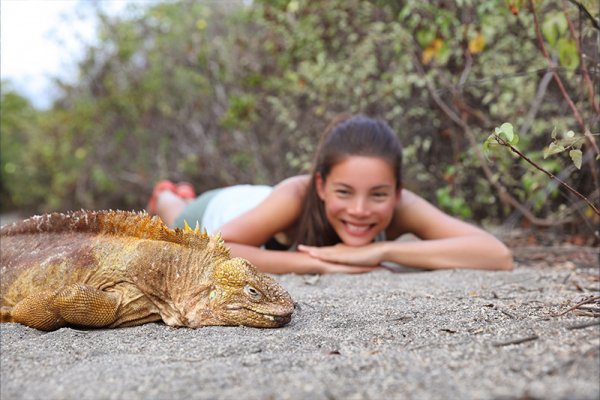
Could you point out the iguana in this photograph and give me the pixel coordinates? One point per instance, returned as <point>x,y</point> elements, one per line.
<point>118,268</point>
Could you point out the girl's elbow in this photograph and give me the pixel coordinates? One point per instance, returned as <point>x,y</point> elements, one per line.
<point>505,260</point>
<point>502,256</point>
<point>498,258</point>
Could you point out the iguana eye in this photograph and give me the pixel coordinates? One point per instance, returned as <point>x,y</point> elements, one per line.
<point>252,292</point>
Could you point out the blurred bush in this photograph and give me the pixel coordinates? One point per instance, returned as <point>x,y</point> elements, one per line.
<point>219,93</point>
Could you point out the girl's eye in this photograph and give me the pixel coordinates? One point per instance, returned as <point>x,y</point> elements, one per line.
<point>342,192</point>
<point>380,196</point>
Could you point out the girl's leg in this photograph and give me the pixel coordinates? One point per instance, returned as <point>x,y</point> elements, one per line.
<point>162,186</point>
<point>169,206</point>
<point>185,190</point>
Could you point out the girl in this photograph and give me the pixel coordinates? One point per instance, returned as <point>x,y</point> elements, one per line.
<point>343,217</point>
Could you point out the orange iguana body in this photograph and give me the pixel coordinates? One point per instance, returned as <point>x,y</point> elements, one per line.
<point>117,268</point>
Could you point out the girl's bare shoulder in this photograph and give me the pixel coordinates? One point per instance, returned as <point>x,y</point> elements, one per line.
<point>414,214</point>
<point>408,201</point>
<point>411,211</point>
<point>294,186</point>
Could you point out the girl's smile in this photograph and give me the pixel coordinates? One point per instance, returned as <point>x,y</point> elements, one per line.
<point>359,195</point>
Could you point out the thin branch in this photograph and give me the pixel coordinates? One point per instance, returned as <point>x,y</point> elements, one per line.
<point>537,102</point>
<point>466,71</point>
<point>590,87</point>
<point>516,341</point>
<point>586,301</point>
<point>584,325</point>
<point>584,70</point>
<point>550,174</point>
<point>551,185</point>
<point>587,13</point>
<point>592,162</point>
<point>552,65</point>
<point>505,196</point>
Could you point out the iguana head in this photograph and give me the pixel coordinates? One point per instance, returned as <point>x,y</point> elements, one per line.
<point>240,295</point>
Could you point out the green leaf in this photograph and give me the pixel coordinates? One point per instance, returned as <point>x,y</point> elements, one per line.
<point>553,27</point>
<point>568,56</point>
<point>576,157</point>
<point>201,24</point>
<point>425,36</point>
<point>490,141</point>
<point>486,146</point>
<point>553,148</point>
<point>508,131</point>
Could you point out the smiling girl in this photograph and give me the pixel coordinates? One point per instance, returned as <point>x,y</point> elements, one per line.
<point>343,217</point>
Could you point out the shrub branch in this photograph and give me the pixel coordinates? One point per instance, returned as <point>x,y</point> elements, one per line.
<point>503,142</point>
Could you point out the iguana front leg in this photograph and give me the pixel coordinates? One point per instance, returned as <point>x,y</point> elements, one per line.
<point>77,304</point>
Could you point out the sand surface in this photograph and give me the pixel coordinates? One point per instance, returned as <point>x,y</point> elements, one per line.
<point>419,335</point>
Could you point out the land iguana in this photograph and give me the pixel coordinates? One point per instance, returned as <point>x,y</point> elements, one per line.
<point>117,268</point>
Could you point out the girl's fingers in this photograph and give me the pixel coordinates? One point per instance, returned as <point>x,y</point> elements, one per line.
<point>349,269</point>
<point>310,250</point>
<point>307,249</point>
<point>303,248</point>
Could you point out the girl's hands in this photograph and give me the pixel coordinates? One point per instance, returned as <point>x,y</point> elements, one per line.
<point>283,262</point>
<point>356,257</point>
<point>331,268</point>
<point>320,266</point>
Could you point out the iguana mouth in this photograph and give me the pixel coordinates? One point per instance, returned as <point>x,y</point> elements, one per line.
<point>278,319</point>
<point>283,318</point>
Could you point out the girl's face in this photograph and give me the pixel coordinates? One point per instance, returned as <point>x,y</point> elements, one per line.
<point>359,196</point>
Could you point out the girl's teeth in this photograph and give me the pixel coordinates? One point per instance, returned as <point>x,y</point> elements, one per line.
<point>356,228</point>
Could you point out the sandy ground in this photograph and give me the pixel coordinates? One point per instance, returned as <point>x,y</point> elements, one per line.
<point>417,335</point>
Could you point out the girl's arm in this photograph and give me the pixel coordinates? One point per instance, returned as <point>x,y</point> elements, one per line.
<point>447,242</point>
<point>475,251</point>
<point>283,262</point>
<point>277,213</point>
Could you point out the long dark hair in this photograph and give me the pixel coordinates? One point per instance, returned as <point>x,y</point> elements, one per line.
<point>345,136</point>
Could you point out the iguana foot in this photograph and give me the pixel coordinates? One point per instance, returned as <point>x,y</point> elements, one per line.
<point>77,304</point>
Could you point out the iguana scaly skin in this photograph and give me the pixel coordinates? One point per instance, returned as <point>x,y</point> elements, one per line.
<point>116,268</point>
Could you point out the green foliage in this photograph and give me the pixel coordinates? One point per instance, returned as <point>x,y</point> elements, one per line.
<point>458,206</point>
<point>555,30</point>
<point>554,26</point>
<point>502,136</point>
<point>218,93</point>
<point>570,141</point>
<point>14,120</point>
